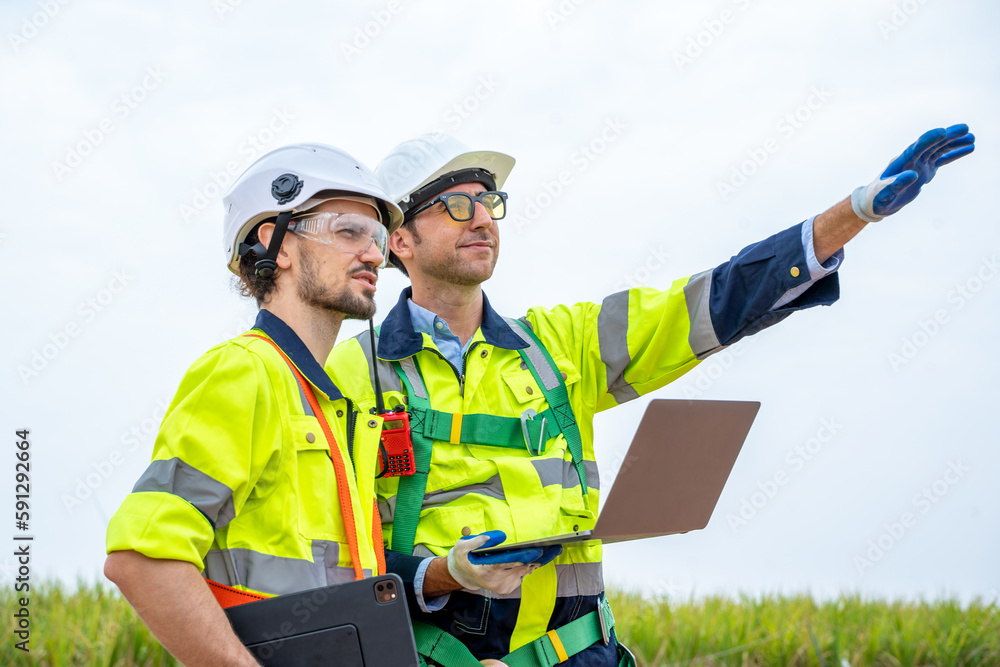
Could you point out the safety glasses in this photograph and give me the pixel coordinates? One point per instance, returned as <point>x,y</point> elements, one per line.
<point>350,232</point>
<point>461,206</point>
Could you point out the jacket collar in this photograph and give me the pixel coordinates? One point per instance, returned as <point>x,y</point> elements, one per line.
<point>292,345</point>
<point>398,340</point>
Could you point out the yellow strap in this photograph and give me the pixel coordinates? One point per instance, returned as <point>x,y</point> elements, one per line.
<point>456,428</point>
<point>557,645</point>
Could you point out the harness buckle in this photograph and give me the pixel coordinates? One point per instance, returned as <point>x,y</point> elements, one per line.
<point>605,608</point>
<point>527,416</point>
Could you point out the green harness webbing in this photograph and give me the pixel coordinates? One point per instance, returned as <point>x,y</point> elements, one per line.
<point>548,650</point>
<point>557,397</point>
<point>428,425</point>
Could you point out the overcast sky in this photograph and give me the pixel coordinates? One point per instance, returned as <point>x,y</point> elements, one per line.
<point>651,144</point>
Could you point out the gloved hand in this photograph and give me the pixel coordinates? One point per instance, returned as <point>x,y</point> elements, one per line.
<point>902,179</point>
<point>499,572</point>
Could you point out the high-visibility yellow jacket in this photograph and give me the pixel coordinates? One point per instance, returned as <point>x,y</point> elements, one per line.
<point>241,483</point>
<point>631,343</point>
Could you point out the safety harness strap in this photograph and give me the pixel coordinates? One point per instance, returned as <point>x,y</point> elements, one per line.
<point>557,646</point>
<point>557,396</point>
<point>428,425</point>
<point>441,647</point>
<point>481,429</point>
<point>552,648</point>
<point>410,495</point>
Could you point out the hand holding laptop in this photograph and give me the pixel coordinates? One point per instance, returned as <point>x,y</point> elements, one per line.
<point>501,571</point>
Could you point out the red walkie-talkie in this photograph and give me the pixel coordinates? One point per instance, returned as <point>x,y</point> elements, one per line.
<point>395,442</point>
<point>396,447</point>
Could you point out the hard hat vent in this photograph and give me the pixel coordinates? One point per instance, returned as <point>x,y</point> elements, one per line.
<point>286,187</point>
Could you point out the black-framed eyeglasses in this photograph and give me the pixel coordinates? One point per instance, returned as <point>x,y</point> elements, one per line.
<point>461,206</point>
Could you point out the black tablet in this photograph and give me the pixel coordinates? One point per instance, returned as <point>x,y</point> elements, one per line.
<point>358,624</point>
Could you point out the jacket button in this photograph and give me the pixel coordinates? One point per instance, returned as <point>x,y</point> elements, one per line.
<point>524,366</point>
<point>372,423</point>
<point>466,531</point>
<point>485,353</point>
<point>528,390</point>
<point>340,413</point>
<point>576,527</point>
<point>310,437</point>
<point>795,272</point>
<point>564,376</point>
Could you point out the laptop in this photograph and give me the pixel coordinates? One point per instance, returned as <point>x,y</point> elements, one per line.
<point>357,624</point>
<point>673,475</point>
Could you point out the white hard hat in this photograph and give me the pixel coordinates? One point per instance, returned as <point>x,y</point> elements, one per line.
<point>408,170</point>
<point>287,179</point>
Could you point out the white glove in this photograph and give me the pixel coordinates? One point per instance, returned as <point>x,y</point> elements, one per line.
<point>498,572</point>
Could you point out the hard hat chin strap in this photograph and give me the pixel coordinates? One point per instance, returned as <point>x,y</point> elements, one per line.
<point>266,265</point>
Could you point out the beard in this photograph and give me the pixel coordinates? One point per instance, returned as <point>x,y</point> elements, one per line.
<point>452,270</point>
<point>339,299</point>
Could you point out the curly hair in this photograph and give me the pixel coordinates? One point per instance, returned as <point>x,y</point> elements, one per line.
<point>250,284</point>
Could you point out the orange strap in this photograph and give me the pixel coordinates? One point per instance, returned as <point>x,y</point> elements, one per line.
<point>227,596</point>
<point>343,487</point>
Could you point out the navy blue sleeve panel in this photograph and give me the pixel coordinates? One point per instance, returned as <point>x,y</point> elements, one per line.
<point>745,288</point>
<point>406,567</point>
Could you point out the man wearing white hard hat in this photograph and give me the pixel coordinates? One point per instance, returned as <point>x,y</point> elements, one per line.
<point>261,480</point>
<point>501,409</point>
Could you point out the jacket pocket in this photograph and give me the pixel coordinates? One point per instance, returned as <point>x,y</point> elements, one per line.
<point>318,503</point>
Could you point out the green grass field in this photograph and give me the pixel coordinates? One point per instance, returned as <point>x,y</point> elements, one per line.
<point>94,626</point>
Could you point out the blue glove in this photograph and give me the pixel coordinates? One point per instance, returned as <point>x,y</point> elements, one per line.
<point>901,181</point>
<point>495,537</point>
<point>500,572</point>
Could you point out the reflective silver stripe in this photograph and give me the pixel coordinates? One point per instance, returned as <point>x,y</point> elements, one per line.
<point>573,579</point>
<point>306,407</point>
<point>558,471</point>
<point>387,509</point>
<point>550,380</point>
<point>212,498</point>
<point>492,487</point>
<point>386,373</point>
<point>417,382</point>
<point>278,575</point>
<point>612,335</point>
<point>702,338</point>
